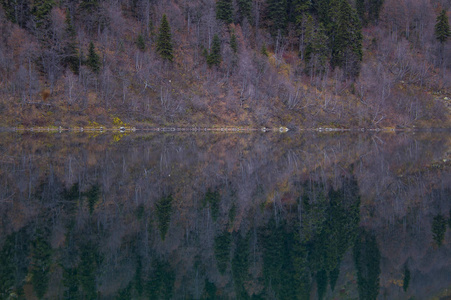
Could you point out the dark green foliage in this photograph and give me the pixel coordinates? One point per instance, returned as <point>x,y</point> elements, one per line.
<point>139,213</point>
<point>232,214</point>
<point>70,282</point>
<point>321,283</point>
<point>439,229</point>
<point>213,199</point>
<point>125,293</point>
<point>346,38</point>
<point>93,197</point>
<point>209,290</point>
<point>279,254</point>
<point>333,275</point>
<point>70,48</point>
<point>406,281</point>
<point>161,281</point>
<point>14,263</point>
<point>276,15</point>
<point>93,59</point>
<point>264,51</point>
<point>449,220</point>
<point>164,42</point>
<point>214,58</point>
<point>244,9</point>
<point>367,262</point>
<point>224,11</point>
<point>233,43</point>
<point>87,268</point>
<point>374,8</point>
<point>164,211</point>
<point>240,266</point>
<point>138,279</point>
<point>222,251</point>
<point>72,194</point>
<point>140,43</point>
<point>361,11</point>
<point>442,30</point>
<point>321,9</point>
<point>88,5</point>
<point>41,12</point>
<point>40,264</point>
<point>316,50</point>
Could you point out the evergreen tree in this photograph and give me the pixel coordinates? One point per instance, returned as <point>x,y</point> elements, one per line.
<point>264,51</point>
<point>224,11</point>
<point>214,58</point>
<point>321,9</point>
<point>442,30</point>
<point>233,43</point>
<point>93,60</point>
<point>276,14</point>
<point>346,37</point>
<point>70,48</point>
<point>374,8</point>
<point>164,43</point>
<point>140,43</point>
<point>316,50</point>
<point>244,9</point>
<point>360,8</point>
<point>41,11</point>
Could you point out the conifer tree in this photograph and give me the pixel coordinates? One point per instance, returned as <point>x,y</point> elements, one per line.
<point>41,11</point>
<point>214,58</point>
<point>233,43</point>
<point>442,30</point>
<point>346,37</point>
<point>224,11</point>
<point>164,43</point>
<point>140,43</point>
<point>264,51</point>
<point>277,15</point>
<point>317,52</point>
<point>244,9</point>
<point>93,60</point>
<point>70,48</point>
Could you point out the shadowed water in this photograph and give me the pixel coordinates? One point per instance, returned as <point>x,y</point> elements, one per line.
<point>225,216</point>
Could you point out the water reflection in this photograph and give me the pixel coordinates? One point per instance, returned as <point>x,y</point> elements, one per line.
<point>280,216</point>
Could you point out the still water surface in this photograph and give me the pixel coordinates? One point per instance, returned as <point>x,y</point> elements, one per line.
<point>225,216</point>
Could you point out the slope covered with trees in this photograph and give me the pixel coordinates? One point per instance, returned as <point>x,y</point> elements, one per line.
<point>352,63</point>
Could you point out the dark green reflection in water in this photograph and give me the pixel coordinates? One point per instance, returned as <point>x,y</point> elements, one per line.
<point>224,217</point>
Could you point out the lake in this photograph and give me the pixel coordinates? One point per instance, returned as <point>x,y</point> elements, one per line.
<point>296,215</point>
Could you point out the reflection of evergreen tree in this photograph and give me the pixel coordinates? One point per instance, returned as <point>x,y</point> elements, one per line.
<point>209,290</point>
<point>41,261</point>
<point>367,262</point>
<point>89,261</point>
<point>439,229</point>
<point>278,268</point>
<point>13,263</point>
<point>161,281</point>
<point>406,280</point>
<point>240,266</point>
<point>222,250</point>
<point>70,282</point>
<point>93,197</point>
<point>163,211</point>
<point>213,199</point>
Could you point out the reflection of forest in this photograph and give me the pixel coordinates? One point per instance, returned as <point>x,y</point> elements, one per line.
<point>224,216</point>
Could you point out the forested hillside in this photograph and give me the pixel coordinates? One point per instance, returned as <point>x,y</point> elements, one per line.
<point>297,63</point>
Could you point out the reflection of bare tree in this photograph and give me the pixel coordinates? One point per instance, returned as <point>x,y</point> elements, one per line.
<point>221,184</point>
